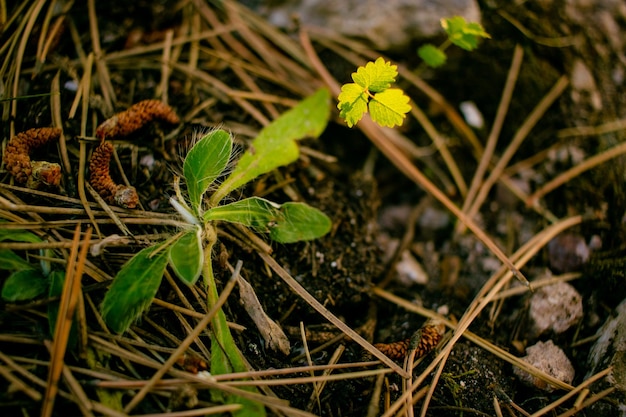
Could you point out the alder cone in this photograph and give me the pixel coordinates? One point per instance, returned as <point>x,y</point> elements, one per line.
<point>395,350</point>
<point>424,340</point>
<point>99,175</point>
<point>17,152</point>
<point>135,117</point>
<point>101,181</point>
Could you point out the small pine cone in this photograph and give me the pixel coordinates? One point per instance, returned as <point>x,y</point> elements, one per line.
<point>17,152</point>
<point>396,350</point>
<point>135,117</point>
<point>101,181</point>
<point>423,341</point>
<point>426,339</point>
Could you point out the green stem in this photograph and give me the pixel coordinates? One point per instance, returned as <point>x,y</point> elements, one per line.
<point>225,356</point>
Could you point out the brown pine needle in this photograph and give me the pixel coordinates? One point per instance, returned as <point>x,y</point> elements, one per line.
<point>67,307</point>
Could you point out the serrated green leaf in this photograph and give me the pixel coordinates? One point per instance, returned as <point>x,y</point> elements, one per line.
<point>133,288</point>
<point>376,76</point>
<point>56,280</point>
<point>432,55</point>
<point>186,256</point>
<point>275,145</point>
<point>24,285</point>
<point>389,107</point>
<point>10,261</point>
<point>462,34</point>
<point>352,103</point>
<point>254,212</point>
<point>205,161</point>
<point>299,222</point>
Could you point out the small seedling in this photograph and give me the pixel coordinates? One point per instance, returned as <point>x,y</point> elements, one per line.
<point>371,92</point>
<point>190,251</point>
<point>461,33</point>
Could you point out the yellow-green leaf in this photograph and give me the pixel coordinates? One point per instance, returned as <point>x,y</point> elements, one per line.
<point>432,55</point>
<point>389,107</point>
<point>376,76</point>
<point>352,103</point>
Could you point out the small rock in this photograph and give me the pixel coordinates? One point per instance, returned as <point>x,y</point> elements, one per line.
<point>551,360</point>
<point>567,252</point>
<point>410,271</point>
<point>555,308</point>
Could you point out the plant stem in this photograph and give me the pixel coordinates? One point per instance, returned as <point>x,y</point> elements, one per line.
<point>225,356</point>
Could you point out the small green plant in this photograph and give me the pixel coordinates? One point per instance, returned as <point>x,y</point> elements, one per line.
<point>27,280</point>
<point>189,252</point>
<point>371,92</point>
<point>461,33</point>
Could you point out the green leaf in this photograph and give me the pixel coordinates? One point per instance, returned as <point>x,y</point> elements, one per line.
<point>376,76</point>
<point>205,161</point>
<point>57,279</point>
<point>286,223</point>
<point>275,145</point>
<point>133,288</point>
<point>253,212</point>
<point>389,107</point>
<point>298,222</point>
<point>18,236</point>
<point>24,285</point>
<point>10,261</point>
<point>352,103</point>
<point>462,34</point>
<point>432,55</point>
<point>186,256</point>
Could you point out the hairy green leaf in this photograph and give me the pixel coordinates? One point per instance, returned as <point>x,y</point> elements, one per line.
<point>133,288</point>
<point>352,103</point>
<point>205,161</point>
<point>432,55</point>
<point>24,285</point>
<point>376,76</point>
<point>389,107</point>
<point>10,261</point>
<point>275,145</point>
<point>253,212</point>
<point>186,256</point>
<point>286,223</point>
<point>299,221</point>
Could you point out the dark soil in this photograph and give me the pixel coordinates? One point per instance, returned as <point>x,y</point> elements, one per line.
<point>341,269</point>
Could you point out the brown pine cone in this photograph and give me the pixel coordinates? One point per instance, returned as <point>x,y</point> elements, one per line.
<point>135,117</point>
<point>395,350</point>
<point>101,181</point>
<point>423,341</point>
<point>17,152</point>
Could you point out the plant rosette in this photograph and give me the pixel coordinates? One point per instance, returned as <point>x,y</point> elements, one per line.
<point>189,252</point>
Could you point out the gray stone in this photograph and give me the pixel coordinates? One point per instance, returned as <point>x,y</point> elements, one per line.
<point>555,308</point>
<point>549,358</point>
<point>388,24</point>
